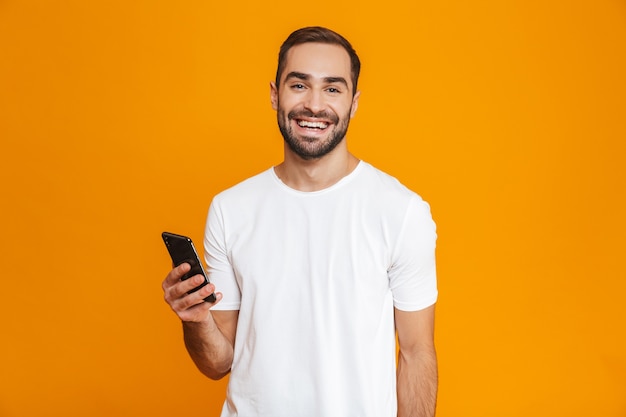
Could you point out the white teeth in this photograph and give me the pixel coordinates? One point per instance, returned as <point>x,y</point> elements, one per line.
<point>318,125</point>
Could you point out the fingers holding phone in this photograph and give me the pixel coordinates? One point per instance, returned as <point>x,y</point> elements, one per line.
<point>187,304</point>
<point>182,250</point>
<point>187,288</point>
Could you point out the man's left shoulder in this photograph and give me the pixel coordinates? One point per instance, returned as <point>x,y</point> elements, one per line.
<point>388,185</point>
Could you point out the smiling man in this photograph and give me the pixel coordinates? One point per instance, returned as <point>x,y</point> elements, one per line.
<point>320,104</point>
<point>320,262</point>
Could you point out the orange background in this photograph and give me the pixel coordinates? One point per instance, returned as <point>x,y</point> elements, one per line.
<point>121,119</point>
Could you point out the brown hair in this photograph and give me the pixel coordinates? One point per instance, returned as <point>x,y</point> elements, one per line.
<point>321,35</point>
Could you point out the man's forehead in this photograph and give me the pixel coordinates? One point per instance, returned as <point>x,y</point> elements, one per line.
<point>318,60</point>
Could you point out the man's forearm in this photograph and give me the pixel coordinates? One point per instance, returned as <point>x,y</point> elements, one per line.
<point>417,384</point>
<point>210,350</point>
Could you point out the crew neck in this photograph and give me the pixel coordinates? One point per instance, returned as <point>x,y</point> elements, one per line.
<point>338,184</point>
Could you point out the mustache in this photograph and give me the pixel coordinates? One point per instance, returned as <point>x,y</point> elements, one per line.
<point>326,115</point>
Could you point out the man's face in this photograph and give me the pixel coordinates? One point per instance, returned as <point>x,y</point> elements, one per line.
<point>314,102</point>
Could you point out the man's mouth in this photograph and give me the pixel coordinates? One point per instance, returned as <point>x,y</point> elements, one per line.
<point>312,125</point>
<point>306,119</point>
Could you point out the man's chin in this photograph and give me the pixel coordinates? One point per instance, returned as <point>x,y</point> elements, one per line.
<point>307,154</point>
<point>311,148</point>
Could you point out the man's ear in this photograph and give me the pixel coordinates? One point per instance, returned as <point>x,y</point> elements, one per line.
<point>274,95</point>
<point>355,103</point>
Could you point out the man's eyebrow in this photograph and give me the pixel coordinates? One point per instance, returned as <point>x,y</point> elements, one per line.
<point>333,80</point>
<point>299,75</point>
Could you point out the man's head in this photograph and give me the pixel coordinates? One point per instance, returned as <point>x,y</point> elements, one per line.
<point>319,34</point>
<point>315,92</point>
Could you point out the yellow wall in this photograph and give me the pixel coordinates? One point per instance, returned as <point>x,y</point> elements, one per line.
<point>121,119</point>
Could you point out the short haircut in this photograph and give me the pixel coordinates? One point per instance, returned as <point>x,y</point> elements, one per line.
<point>319,34</point>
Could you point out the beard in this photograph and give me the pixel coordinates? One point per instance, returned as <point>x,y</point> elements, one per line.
<point>310,147</point>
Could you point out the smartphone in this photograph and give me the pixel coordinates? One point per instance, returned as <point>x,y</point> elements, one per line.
<point>182,250</point>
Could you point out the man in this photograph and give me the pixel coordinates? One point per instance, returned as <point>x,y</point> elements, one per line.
<point>320,261</point>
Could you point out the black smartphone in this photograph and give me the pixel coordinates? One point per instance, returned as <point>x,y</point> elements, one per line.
<point>182,250</point>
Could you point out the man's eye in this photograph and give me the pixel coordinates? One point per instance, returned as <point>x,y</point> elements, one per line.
<point>297,86</point>
<point>332,90</point>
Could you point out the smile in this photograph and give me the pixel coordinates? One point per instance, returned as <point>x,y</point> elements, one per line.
<point>313,125</point>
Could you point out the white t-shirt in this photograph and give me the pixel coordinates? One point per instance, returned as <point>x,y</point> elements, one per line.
<point>315,277</point>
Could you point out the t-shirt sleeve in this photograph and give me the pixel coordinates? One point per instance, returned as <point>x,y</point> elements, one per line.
<point>412,276</point>
<point>216,256</point>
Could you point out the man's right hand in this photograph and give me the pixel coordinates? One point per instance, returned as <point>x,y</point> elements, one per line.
<point>209,337</point>
<point>189,307</point>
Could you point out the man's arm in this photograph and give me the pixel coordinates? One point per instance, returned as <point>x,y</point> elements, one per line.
<point>209,335</point>
<point>417,363</point>
<point>210,343</point>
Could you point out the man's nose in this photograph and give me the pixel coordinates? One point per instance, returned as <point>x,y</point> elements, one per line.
<point>314,101</point>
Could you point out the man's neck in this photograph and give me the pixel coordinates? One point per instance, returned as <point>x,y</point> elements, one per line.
<point>315,174</point>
